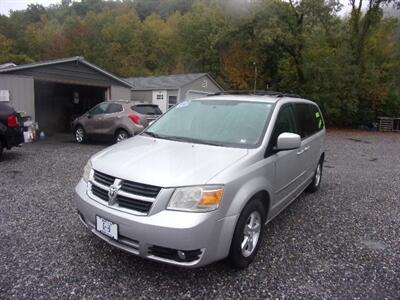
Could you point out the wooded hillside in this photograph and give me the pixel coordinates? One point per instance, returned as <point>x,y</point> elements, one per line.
<point>349,65</point>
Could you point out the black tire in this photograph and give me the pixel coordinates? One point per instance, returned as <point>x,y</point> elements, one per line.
<point>316,182</point>
<point>237,256</point>
<point>1,148</point>
<point>121,135</point>
<point>80,134</point>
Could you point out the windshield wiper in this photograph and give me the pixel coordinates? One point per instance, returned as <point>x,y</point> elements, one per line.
<point>205,142</point>
<point>152,134</point>
<point>190,140</point>
<point>182,139</point>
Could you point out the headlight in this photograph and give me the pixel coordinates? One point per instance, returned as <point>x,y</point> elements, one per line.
<point>196,198</point>
<point>86,170</point>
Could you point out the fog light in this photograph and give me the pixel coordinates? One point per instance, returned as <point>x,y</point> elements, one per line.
<point>181,255</point>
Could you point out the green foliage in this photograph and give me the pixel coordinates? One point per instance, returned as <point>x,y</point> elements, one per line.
<point>349,65</point>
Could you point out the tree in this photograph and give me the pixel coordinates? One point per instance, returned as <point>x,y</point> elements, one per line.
<point>349,65</point>
<point>7,54</point>
<point>199,35</point>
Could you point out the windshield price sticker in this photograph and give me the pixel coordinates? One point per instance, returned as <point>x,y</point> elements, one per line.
<point>183,104</point>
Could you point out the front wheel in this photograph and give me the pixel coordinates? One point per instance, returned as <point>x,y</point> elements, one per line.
<point>121,135</point>
<point>248,234</point>
<point>316,182</point>
<point>80,135</point>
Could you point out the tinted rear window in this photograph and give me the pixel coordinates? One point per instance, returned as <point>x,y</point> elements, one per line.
<point>309,120</point>
<point>147,109</point>
<point>316,115</point>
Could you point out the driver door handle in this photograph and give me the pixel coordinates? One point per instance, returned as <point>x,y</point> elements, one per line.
<point>307,148</point>
<point>300,152</point>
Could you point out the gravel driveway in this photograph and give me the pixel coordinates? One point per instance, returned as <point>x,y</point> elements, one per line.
<point>342,242</point>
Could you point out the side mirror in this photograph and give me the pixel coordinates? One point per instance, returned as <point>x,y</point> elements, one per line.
<point>89,116</point>
<point>288,141</point>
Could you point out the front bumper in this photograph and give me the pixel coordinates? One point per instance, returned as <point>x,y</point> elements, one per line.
<point>164,229</point>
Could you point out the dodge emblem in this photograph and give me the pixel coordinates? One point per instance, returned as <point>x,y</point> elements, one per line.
<point>112,194</point>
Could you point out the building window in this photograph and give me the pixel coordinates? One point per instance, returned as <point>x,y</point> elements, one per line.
<point>4,95</point>
<point>172,101</point>
<point>160,97</point>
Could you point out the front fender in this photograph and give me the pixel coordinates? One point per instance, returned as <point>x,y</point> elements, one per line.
<point>246,191</point>
<point>251,176</point>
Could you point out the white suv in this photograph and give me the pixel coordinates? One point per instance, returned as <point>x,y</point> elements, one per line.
<point>200,183</point>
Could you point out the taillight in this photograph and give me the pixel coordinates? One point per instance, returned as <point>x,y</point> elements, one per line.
<point>135,119</point>
<point>12,121</point>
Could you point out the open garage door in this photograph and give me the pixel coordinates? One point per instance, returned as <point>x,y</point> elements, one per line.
<point>57,104</point>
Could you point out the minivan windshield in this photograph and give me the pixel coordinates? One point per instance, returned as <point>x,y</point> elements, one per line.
<point>228,123</point>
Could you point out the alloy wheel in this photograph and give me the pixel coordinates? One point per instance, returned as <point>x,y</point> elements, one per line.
<point>121,136</point>
<point>251,233</point>
<point>318,174</point>
<point>79,135</point>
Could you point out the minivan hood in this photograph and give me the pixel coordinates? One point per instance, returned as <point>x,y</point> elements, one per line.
<point>165,163</point>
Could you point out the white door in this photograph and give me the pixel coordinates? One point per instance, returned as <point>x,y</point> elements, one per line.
<point>160,98</point>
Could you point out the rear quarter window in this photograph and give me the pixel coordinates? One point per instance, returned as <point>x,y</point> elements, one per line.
<point>317,118</point>
<point>147,109</point>
<point>308,118</point>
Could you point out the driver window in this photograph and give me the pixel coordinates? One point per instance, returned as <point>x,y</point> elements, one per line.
<point>285,122</point>
<point>99,109</point>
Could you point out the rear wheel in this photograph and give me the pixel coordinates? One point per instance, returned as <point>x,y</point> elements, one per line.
<point>121,135</point>
<point>80,135</point>
<point>248,234</point>
<point>316,182</point>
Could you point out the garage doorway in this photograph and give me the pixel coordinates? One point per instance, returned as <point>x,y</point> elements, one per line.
<point>57,104</point>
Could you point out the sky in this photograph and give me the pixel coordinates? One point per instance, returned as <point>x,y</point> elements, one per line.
<point>7,5</point>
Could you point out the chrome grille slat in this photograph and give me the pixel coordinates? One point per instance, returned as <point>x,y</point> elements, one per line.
<point>138,205</point>
<point>100,193</point>
<point>140,189</point>
<point>103,178</point>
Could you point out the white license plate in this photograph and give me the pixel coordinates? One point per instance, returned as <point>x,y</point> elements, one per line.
<point>106,227</point>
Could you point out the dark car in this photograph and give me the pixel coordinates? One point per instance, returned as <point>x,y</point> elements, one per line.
<point>114,120</point>
<point>10,131</point>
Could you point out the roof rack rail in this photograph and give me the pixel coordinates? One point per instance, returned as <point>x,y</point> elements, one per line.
<point>254,92</point>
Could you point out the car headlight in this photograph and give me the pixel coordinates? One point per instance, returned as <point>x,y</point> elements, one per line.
<point>86,170</point>
<point>196,198</point>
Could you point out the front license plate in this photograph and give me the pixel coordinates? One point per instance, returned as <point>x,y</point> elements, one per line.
<point>106,227</point>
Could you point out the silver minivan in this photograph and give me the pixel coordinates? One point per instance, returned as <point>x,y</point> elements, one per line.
<point>200,183</point>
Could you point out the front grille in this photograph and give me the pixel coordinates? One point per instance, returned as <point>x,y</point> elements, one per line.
<point>172,254</point>
<point>99,192</point>
<point>140,189</point>
<point>126,202</point>
<point>138,205</point>
<point>133,189</point>
<point>103,178</point>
